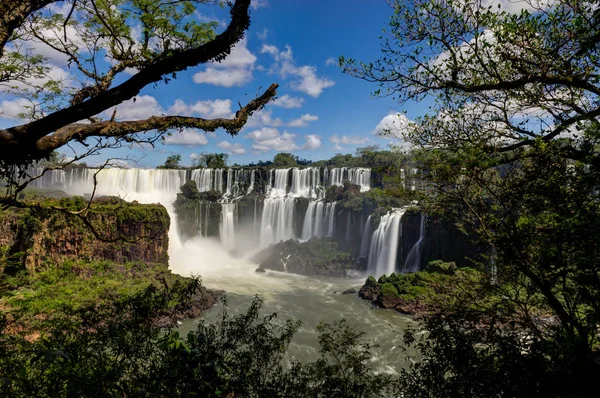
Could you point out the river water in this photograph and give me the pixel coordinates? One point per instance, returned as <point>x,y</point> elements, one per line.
<point>307,299</point>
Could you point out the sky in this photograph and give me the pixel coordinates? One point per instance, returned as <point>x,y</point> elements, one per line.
<point>296,43</point>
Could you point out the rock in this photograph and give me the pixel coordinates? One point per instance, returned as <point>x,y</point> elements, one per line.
<point>368,292</point>
<point>350,291</point>
<point>261,270</point>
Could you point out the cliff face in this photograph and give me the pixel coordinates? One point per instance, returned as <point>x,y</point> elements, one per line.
<point>35,238</point>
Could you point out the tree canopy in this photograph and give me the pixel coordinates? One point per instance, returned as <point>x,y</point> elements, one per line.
<point>500,79</point>
<point>511,146</point>
<point>114,49</point>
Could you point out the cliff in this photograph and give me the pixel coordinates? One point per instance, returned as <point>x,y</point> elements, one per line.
<point>36,238</point>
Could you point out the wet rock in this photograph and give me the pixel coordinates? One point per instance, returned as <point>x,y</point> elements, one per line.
<point>261,270</point>
<point>350,291</point>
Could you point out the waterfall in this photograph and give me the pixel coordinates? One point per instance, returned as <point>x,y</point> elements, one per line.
<point>384,244</point>
<point>252,180</point>
<point>309,219</point>
<point>277,220</point>
<point>330,216</point>
<point>413,260</point>
<point>273,220</point>
<point>227,226</point>
<point>366,239</point>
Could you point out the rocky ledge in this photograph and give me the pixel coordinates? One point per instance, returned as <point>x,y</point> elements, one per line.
<point>317,256</point>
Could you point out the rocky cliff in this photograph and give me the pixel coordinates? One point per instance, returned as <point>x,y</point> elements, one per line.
<point>37,237</point>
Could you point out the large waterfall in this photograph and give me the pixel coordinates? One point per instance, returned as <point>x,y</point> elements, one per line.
<point>384,244</point>
<point>273,212</point>
<point>413,260</point>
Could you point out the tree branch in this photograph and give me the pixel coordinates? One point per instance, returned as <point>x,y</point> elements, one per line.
<point>80,131</point>
<point>178,60</point>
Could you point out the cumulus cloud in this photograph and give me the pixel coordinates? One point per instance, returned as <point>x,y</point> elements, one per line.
<point>347,140</point>
<point>14,109</point>
<point>187,137</point>
<point>330,61</point>
<point>263,118</point>
<point>303,120</point>
<point>137,108</point>
<point>393,125</point>
<point>256,4</point>
<point>287,101</point>
<point>269,138</point>
<point>234,70</point>
<point>313,141</point>
<point>233,149</point>
<point>304,78</point>
<point>209,109</point>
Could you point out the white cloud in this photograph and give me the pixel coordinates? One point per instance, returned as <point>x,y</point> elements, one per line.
<point>263,118</point>
<point>516,6</point>
<point>234,149</point>
<point>206,19</point>
<point>209,109</point>
<point>187,137</point>
<point>12,109</point>
<point>137,108</point>
<point>338,147</point>
<point>347,140</point>
<point>393,125</point>
<point>234,70</point>
<point>330,61</point>
<point>263,34</point>
<point>268,139</point>
<point>223,77</point>
<point>313,141</point>
<point>304,78</point>
<point>256,4</point>
<point>303,120</point>
<point>287,101</point>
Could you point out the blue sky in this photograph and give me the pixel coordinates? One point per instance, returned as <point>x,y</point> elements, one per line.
<point>295,43</point>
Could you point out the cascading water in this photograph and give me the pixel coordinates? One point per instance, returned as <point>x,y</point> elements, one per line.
<point>366,239</point>
<point>227,226</point>
<point>413,260</point>
<point>384,244</point>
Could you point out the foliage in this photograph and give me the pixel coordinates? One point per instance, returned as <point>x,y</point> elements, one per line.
<point>284,159</point>
<point>172,162</point>
<point>317,256</point>
<point>511,144</point>
<point>212,160</point>
<point>116,349</point>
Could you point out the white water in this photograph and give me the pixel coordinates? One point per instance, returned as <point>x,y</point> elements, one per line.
<point>366,239</point>
<point>413,260</point>
<point>384,244</point>
<point>227,226</point>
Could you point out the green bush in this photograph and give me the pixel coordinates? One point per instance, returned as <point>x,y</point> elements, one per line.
<point>388,291</point>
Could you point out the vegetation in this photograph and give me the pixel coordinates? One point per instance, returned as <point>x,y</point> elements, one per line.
<point>172,162</point>
<point>116,349</point>
<point>512,146</point>
<point>317,256</point>
<point>284,159</point>
<point>213,160</point>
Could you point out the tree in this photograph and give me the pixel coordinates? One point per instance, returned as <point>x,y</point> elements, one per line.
<point>213,160</point>
<point>500,80</point>
<point>172,162</point>
<point>112,63</point>
<point>511,144</point>
<point>285,159</point>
